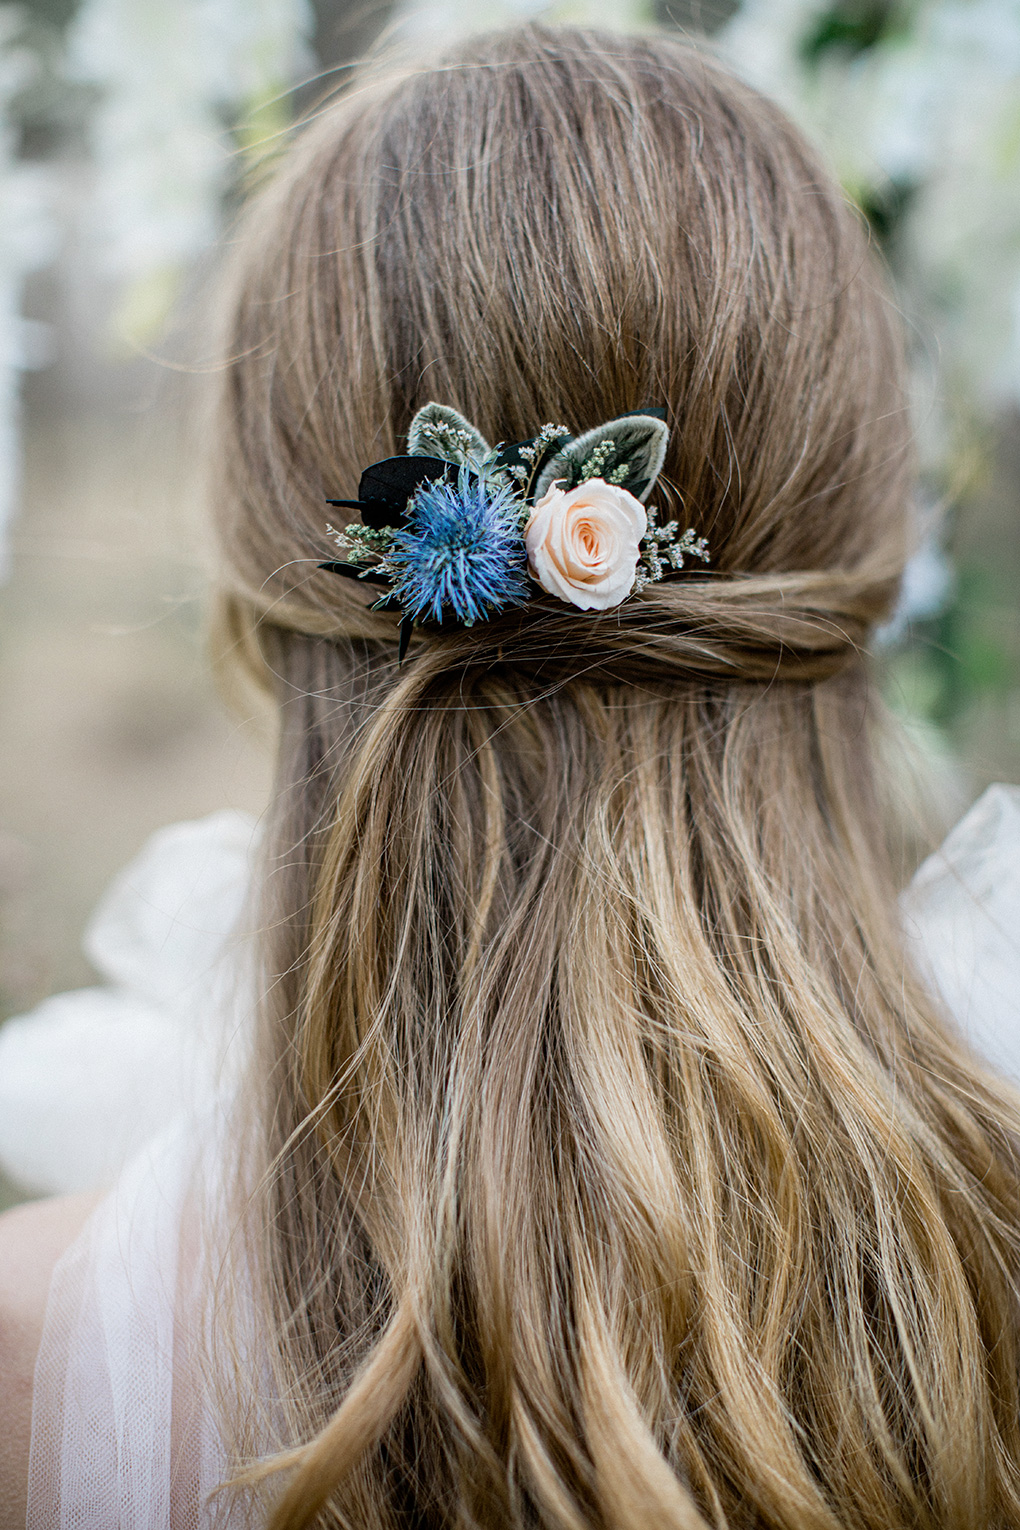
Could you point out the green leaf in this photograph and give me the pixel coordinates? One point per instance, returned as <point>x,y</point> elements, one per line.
<point>629,451</point>
<point>439,431</point>
<point>850,27</point>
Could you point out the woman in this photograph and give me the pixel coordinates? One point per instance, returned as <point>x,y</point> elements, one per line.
<point>601,1160</point>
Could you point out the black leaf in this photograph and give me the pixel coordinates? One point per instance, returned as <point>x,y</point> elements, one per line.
<point>386,487</point>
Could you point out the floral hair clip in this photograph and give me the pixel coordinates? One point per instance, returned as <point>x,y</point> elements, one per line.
<point>460,530</point>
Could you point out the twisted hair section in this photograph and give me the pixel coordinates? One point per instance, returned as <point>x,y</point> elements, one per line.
<point>754,627</point>
<point>617,1171</point>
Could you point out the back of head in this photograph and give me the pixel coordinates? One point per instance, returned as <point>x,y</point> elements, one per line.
<point>620,1172</point>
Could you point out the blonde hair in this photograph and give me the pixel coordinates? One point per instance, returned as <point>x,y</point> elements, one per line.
<point>618,1171</point>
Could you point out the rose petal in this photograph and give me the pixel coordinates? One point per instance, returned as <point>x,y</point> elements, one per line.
<point>583,544</point>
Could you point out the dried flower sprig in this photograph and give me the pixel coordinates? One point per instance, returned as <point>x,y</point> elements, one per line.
<point>666,546</point>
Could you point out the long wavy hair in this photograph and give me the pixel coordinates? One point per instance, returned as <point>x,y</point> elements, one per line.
<point>616,1172</point>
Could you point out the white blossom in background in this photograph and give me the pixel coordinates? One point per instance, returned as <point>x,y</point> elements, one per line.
<point>430,23</point>
<point>171,78</point>
<point>935,105</point>
<point>926,588</point>
<point>27,240</point>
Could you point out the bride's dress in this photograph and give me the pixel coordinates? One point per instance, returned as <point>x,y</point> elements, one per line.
<point>89,1077</point>
<point>138,1071</point>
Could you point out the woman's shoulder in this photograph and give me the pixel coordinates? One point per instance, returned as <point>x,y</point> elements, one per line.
<point>32,1238</point>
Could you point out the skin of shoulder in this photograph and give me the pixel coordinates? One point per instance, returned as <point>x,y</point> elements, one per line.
<point>32,1239</point>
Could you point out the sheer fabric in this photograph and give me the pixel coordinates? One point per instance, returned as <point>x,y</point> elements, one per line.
<point>124,1435</point>
<point>962,921</point>
<point>123,1432</point>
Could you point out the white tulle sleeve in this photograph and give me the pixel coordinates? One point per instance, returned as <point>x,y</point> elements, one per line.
<point>88,1077</point>
<point>962,920</point>
<point>123,1433</point>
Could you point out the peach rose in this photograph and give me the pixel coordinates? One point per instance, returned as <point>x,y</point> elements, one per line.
<point>583,544</point>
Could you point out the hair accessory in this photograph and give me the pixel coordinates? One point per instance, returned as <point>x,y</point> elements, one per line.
<point>458,530</point>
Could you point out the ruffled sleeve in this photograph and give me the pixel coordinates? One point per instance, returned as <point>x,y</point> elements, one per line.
<point>962,921</point>
<point>88,1077</point>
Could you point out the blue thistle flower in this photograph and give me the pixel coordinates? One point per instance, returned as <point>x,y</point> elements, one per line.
<point>462,551</point>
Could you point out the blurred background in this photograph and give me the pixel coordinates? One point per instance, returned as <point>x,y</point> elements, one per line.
<point>129,130</point>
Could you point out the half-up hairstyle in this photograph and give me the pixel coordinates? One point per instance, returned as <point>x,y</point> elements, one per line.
<point>616,1172</point>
